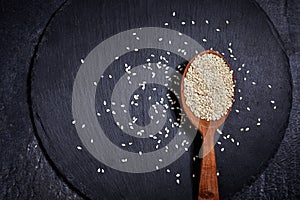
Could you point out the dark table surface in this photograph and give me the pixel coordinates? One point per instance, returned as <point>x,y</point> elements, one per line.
<point>25,170</point>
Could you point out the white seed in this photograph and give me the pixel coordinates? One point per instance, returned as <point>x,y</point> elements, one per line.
<point>206,21</point>
<point>166,24</point>
<point>218,30</point>
<point>222,149</point>
<point>178,181</point>
<point>183,23</point>
<point>174,14</point>
<point>204,40</point>
<point>83,126</point>
<point>193,22</point>
<point>168,171</point>
<point>79,147</point>
<point>227,22</point>
<point>269,86</point>
<point>73,122</point>
<point>247,129</point>
<point>82,61</point>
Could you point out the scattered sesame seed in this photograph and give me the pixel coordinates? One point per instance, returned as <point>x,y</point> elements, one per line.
<point>227,22</point>
<point>218,173</point>
<point>253,83</point>
<point>218,30</point>
<point>183,23</point>
<point>274,107</point>
<point>83,126</point>
<point>116,58</point>
<point>269,86</point>
<point>160,39</point>
<point>204,40</point>
<point>82,61</point>
<point>140,153</point>
<point>248,109</point>
<point>168,171</point>
<point>79,147</point>
<point>222,149</point>
<point>272,101</point>
<point>206,21</point>
<point>133,33</point>
<point>174,14</point>
<point>178,175</point>
<point>178,181</point>
<point>123,145</point>
<point>237,144</point>
<point>237,111</point>
<point>109,76</point>
<point>166,24</point>
<point>258,124</point>
<point>123,160</point>
<point>73,122</point>
<point>193,22</point>
<point>247,129</point>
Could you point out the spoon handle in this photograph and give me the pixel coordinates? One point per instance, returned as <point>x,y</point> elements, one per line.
<point>208,186</point>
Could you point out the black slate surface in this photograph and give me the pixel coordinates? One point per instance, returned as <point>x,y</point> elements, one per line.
<point>12,186</point>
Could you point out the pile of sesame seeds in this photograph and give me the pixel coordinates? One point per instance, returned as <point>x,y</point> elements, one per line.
<point>209,87</point>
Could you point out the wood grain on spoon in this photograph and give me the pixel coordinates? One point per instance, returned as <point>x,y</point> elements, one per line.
<point>208,186</point>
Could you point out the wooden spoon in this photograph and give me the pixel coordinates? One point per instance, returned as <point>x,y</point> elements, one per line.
<point>208,186</point>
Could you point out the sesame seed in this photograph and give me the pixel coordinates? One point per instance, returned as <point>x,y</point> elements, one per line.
<point>109,76</point>
<point>183,23</point>
<point>178,175</point>
<point>133,33</point>
<point>116,58</point>
<point>166,24</point>
<point>98,114</point>
<point>178,181</point>
<point>82,61</point>
<point>272,101</point>
<point>193,22</point>
<point>222,149</point>
<point>140,153</point>
<point>174,14</point>
<point>206,21</point>
<point>248,109</point>
<point>237,111</point>
<point>269,86</point>
<point>73,122</point>
<point>168,171</point>
<point>274,107</point>
<point>160,39</point>
<point>227,22</point>
<point>79,147</point>
<point>204,40</point>
<point>83,126</point>
<point>237,144</point>
<point>247,129</point>
<point>218,30</point>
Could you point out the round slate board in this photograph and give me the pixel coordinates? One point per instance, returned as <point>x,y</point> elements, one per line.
<point>261,70</point>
